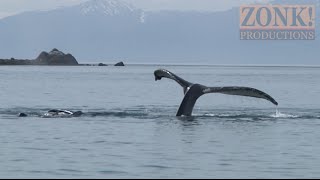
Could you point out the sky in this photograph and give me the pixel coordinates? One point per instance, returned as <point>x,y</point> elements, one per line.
<point>11,7</point>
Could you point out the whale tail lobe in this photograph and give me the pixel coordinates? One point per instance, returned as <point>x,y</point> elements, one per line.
<point>163,73</point>
<point>241,91</point>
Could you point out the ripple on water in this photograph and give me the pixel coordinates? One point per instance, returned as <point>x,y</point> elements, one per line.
<point>165,113</point>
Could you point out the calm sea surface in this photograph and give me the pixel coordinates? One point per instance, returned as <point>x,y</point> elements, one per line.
<point>129,128</point>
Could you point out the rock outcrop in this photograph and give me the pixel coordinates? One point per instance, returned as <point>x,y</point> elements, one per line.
<point>119,64</point>
<point>102,64</point>
<point>56,57</point>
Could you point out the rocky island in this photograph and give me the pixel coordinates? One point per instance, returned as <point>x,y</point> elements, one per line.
<point>54,57</point>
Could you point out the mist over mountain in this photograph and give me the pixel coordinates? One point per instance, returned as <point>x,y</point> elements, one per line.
<point>109,30</point>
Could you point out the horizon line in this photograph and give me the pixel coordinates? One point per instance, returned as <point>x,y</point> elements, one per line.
<point>218,65</point>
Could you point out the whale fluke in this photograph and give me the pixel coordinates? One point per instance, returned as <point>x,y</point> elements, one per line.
<point>161,73</point>
<point>241,91</point>
<point>194,91</point>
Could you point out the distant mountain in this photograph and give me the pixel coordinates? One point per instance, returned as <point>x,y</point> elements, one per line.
<point>106,7</point>
<point>108,30</point>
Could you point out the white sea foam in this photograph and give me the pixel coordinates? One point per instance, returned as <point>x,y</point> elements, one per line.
<point>282,115</point>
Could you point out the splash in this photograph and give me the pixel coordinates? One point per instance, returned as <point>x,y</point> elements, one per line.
<point>282,115</point>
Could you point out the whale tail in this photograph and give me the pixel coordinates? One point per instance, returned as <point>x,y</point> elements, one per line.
<point>189,100</point>
<point>163,73</point>
<point>194,91</point>
<point>241,91</point>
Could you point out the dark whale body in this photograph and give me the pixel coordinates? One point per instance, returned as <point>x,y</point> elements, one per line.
<point>62,113</point>
<point>193,91</point>
<point>57,113</point>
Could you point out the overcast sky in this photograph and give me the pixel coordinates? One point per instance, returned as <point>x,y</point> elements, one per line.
<point>10,7</point>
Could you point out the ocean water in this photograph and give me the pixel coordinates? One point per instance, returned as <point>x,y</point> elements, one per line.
<point>129,128</point>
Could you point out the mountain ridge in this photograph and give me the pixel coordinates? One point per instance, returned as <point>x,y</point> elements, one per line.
<point>141,36</point>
